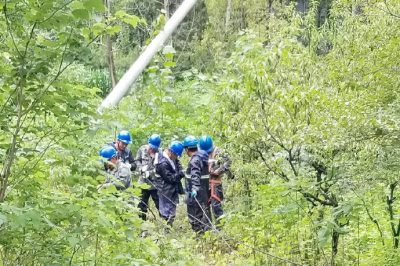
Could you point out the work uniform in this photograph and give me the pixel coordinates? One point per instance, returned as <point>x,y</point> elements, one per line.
<point>118,175</point>
<point>125,156</point>
<point>169,186</point>
<point>147,175</point>
<point>197,178</point>
<point>219,163</point>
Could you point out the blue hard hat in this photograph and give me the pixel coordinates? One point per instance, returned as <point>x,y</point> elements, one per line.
<point>176,147</point>
<point>124,136</point>
<point>206,144</point>
<point>154,141</point>
<point>108,152</point>
<point>190,142</point>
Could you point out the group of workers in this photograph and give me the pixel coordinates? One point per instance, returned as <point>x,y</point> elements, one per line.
<point>162,171</point>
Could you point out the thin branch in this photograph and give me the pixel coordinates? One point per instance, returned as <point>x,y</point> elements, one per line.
<point>390,200</point>
<point>56,11</point>
<point>39,159</point>
<point>29,40</point>
<point>6,170</point>
<point>326,202</point>
<point>374,220</point>
<point>73,254</point>
<point>282,175</point>
<point>61,70</point>
<point>389,11</point>
<point>46,134</point>
<point>188,35</point>
<point>9,28</point>
<point>266,127</point>
<point>23,56</point>
<point>290,159</point>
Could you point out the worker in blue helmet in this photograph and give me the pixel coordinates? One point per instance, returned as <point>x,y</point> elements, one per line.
<point>169,170</point>
<point>146,158</point>
<point>121,145</point>
<point>197,185</point>
<point>219,164</point>
<point>118,173</point>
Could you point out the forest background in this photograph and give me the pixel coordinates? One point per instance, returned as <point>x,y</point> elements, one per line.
<point>303,94</point>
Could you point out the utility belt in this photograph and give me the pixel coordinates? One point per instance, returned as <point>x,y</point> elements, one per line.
<point>201,177</point>
<point>204,182</point>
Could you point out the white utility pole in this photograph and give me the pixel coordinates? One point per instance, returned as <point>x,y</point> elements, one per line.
<point>123,86</point>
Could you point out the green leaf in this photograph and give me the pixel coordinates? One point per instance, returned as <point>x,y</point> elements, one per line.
<point>3,219</point>
<point>77,5</point>
<point>99,28</point>
<point>323,235</point>
<point>120,14</point>
<point>114,29</point>
<point>95,4</point>
<point>73,241</point>
<point>86,32</point>
<point>152,69</point>
<point>170,64</point>
<point>131,20</point>
<point>80,13</point>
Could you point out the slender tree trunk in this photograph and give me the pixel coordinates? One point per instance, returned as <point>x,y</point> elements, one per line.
<point>302,6</point>
<point>167,8</point>
<point>335,246</point>
<point>9,161</point>
<point>248,193</point>
<point>110,61</point>
<point>323,11</point>
<point>395,228</point>
<point>243,22</point>
<point>269,8</point>
<point>109,47</point>
<point>228,15</point>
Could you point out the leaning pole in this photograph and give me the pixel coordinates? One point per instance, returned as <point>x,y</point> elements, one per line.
<point>123,86</point>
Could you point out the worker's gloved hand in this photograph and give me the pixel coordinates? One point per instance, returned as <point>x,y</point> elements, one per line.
<point>149,173</point>
<point>193,194</point>
<point>109,165</point>
<point>146,174</point>
<point>143,169</point>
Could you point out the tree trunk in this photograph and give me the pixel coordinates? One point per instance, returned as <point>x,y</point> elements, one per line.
<point>228,15</point>
<point>335,246</point>
<point>9,160</point>
<point>323,12</point>
<point>110,54</point>
<point>110,61</point>
<point>302,6</point>
<point>248,193</point>
<point>269,8</point>
<point>395,228</point>
<point>167,8</point>
<point>243,22</point>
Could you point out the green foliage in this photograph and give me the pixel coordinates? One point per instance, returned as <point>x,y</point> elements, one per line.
<point>304,96</point>
<point>311,120</point>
